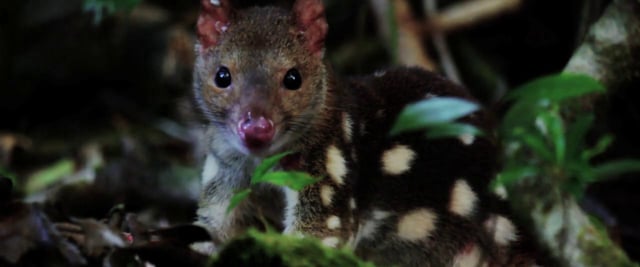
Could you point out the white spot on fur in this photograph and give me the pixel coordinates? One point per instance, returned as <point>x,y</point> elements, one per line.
<point>210,169</point>
<point>397,160</point>
<point>333,222</point>
<point>467,139</point>
<point>417,224</point>
<point>352,203</point>
<point>463,199</point>
<point>331,241</point>
<point>501,192</point>
<point>380,214</point>
<point>207,247</point>
<point>471,258</point>
<point>379,73</point>
<point>215,2</point>
<point>504,232</point>
<point>347,126</point>
<point>326,195</point>
<point>367,229</point>
<point>336,166</point>
<point>291,198</point>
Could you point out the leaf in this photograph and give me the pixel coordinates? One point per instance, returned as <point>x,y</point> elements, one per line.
<point>600,147</point>
<point>8,174</point>
<point>111,6</point>
<point>293,180</point>
<point>534,142</point>
<point>434,111</point>
<point>48,176</point>
<point>452,130</point>
<point>536,96</point>
<point>576,134</point>
<point>266,165</point>
<point>557,87</point>
<point>523,114</point>
<point>555,131</point>
<point>237,198</point>
<point>614,168</point>
<point>513,174</point>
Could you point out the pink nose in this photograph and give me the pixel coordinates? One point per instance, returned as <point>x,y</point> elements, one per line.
<point>256,132</point>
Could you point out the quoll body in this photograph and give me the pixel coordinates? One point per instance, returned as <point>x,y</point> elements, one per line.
<point>262,86</point>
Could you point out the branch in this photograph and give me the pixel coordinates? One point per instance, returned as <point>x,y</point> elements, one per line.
<point>440,43</point>
<point>469,13</point>
<point>400,29</point>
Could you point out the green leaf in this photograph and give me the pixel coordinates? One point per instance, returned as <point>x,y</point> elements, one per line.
<point>614,168</point>
<point>293,180</point>
<point>8,174</point>
<point>111,6</point>
<point>514,174</point>
<point>576,134</point>
<point>555,131</point>
<point>49,175</point>
<point>600,147</point>
<point>266,165</point>
<point>538,95</point>
<point>534,142</point>
<point>522,114</point>
<point>451,130</point>
<point>430,112</point>
<point>557,87</point>
<point>237,198</point>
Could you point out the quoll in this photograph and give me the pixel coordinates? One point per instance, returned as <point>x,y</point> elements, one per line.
<point>262,86</point>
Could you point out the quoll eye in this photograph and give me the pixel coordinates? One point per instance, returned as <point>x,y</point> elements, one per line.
<point>292,80</point>
<point>223,77</point>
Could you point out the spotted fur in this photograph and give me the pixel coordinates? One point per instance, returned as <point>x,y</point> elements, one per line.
<point>402,200</point>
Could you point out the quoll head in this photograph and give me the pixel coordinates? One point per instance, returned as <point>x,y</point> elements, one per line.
<point>259,74</point>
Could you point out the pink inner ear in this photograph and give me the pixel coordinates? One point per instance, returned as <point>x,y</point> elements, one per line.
<point>311,21</point>
<point>213,21</point>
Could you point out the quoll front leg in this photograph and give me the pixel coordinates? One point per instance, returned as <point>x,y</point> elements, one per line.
<point>325,209</point>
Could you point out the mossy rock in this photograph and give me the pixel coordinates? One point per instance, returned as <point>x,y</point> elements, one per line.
<point>275,250</point>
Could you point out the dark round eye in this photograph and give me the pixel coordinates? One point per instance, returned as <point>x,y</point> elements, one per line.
<point>292,79</point>
<point>223,77</point>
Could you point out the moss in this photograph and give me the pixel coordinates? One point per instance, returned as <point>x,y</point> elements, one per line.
<point>273,249</point>
<point>599,250</point>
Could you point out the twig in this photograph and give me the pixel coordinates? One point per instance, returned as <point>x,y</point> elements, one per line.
<point>439,41</point>
<point>470,13</point>
<point>402,31</point>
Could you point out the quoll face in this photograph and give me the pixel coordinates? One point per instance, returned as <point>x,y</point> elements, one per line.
<point>263,89</point>
<point>402,200</point>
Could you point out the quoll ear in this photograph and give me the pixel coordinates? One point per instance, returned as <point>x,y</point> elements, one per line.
<point>312,24</point>
<point>213,21</point>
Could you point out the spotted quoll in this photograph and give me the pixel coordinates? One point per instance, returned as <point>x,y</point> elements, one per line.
<point>262,86</point>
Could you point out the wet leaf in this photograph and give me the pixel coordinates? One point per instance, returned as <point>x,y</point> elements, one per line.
<point>513,174</point>
<point>432,112</point>
<point>98,7</point>
<point>452,130</point>
<point>614,168</point>
<point>291,179</point>
<point>48,176</point>
<point>602,145</point>
<point>535,142</point>
<point>576,134</point>
<point>237,198</point>
<point>267,164</point>
<point>555,131</point>
<point>557,87</point>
